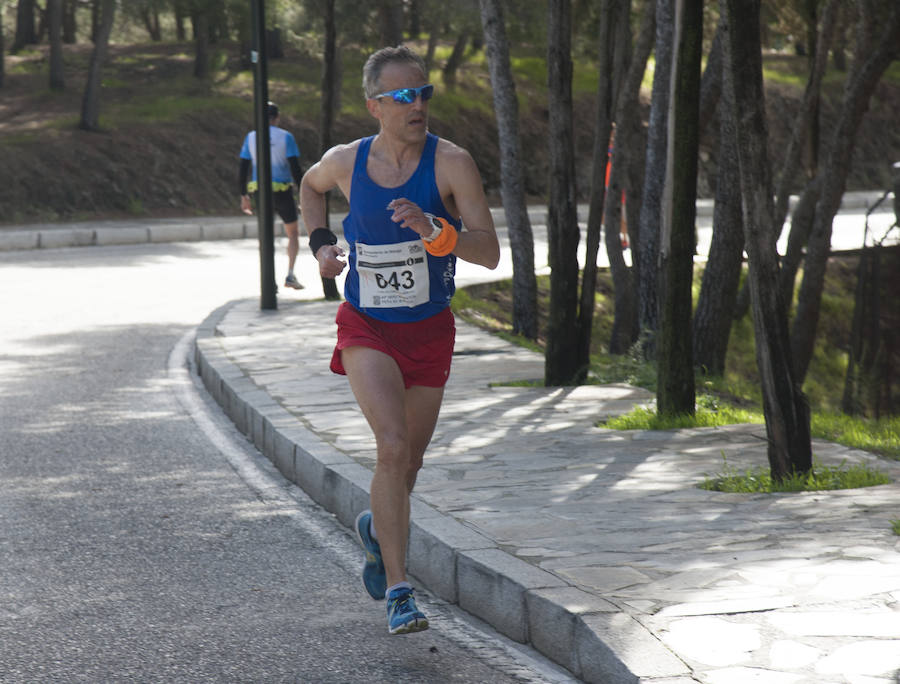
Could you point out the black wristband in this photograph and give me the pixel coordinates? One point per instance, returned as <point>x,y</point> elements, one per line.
<point>321,237</point>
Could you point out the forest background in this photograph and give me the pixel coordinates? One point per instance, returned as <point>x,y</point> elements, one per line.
<point>167,142</point>
<point>174,94</point>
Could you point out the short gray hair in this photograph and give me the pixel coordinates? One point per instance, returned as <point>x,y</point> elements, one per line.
<point>389,55</point>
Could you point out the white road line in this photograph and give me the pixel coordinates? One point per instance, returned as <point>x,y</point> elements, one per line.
<point>261,476</point>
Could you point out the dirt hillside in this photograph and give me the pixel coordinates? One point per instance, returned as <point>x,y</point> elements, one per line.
<point>185,163</point>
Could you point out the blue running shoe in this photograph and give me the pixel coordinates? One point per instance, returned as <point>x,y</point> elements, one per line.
<point>403,616</point>
<point>374,578</point>
<point>291,281</point>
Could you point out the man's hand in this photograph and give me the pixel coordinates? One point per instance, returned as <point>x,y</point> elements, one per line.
<point>245,205</point>
<point>410,215</point>
<point>330,266</point>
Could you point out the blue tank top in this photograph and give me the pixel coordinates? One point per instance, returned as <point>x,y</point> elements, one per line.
<point>369,223</point>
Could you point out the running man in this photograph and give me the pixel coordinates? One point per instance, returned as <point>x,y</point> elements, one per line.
<point>409,194</point>
<point>285,159</point>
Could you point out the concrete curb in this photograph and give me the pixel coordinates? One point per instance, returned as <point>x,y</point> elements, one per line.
<point>591,637</point>
<point>54,236</point>
<point>124,233</point>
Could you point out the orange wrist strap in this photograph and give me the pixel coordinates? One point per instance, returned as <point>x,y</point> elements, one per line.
<point>444,243</point>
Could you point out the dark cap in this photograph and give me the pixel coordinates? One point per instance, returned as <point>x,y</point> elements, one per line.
<point>272,110</point>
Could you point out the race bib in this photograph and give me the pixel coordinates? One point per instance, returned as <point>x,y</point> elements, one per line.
<point>392,275</point>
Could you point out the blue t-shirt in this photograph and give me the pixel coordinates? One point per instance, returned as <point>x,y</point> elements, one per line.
<point>282,146</point>
<point>369,223</point>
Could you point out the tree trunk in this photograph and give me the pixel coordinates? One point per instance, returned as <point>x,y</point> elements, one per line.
<point>42,31</point>
<point>329,77</point>
<point>390,22</point>
<point>711,82</point>
<point>808,113</point>
<point>561,367</point>
<point>57,73</point>
<point>180,15</point>
<point>801,227</point>
<point>95,20</point>
<point>812,130</point>
<point>201,41</point>
<point>628,140</point>
<point>607,89</point>
<point>2,52</point>
<point>866,343</point>
<point>90,104</point>
<point>25,28</point>
<point>895,182</point>
<point>839,50</point>
<point>512,190</point>
<point>150,19</point>
<point>862,82</point>
<point>433,34</point>
<point>675,393</point>
<point>456,58</point>
<point>718,292</point>
<point>415,19</point>
<point>804,213</point>
<point>654,180</point>
<point>476,44</point>
<point>330,81</point>
<point>274,44</point>
<point>70,26</point>
<point>784,406</point>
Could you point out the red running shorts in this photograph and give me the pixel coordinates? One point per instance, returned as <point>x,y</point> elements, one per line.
<point>422,349</point>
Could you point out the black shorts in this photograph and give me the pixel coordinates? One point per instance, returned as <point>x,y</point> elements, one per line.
<point>283,203</point>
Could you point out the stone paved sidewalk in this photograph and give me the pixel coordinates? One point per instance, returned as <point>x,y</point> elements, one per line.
<point>595,546</point>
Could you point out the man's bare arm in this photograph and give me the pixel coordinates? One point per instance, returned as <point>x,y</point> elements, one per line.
<point>478,242</point>
<point>324,175</point>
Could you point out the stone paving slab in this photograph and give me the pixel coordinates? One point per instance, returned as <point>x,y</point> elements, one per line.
<point>594,546</point>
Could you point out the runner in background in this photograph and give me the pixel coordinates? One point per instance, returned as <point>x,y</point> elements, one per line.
<point>285,159</point>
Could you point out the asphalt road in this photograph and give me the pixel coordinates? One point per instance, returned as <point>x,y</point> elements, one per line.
<point>142,538</point>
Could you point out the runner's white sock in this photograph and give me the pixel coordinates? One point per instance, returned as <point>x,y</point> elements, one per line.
<point>399,585</point>
<point>372,528</point>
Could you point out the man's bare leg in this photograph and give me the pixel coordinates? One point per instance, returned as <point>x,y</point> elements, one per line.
<point>292,231</point>
<point>402,421</point>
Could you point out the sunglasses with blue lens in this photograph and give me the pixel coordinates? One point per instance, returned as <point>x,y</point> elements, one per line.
<point>408,95</point>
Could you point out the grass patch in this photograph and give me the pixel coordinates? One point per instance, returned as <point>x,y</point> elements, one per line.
<point>606,369</point>
<point>895,526</point>
<point>821,478</point>
<point>710,412</point>
<point>793,71</point>
<point>110,82</point>
<point>772,74</point>
<point>531,68</point>
<point>168,108</point>
<point>892,74</point>
<point>135,206</point>
<point>881,436</point>
<point>734,397</point>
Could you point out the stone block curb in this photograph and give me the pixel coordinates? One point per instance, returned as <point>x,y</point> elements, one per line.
<point>224,231</point>
<point>522,601</point>
<point>176,233</point>
<point>19,240</point>
<point>70,237</point>
<point>497,585</point>
<point>121,236</point>
<point>614,647</point>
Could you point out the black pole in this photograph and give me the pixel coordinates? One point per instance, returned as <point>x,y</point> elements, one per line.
<point>268,299</point>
